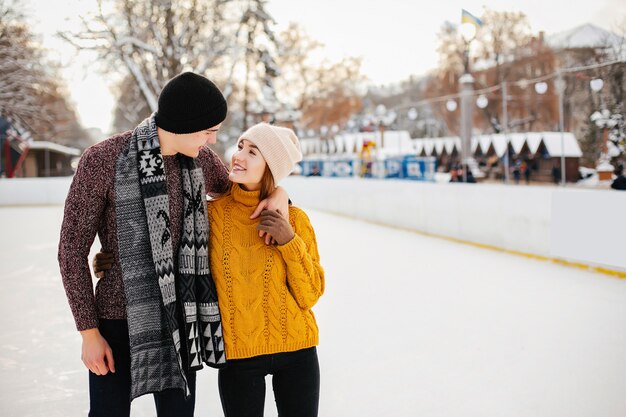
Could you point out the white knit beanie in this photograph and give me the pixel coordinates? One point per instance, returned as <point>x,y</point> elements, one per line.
<point>278,145</point>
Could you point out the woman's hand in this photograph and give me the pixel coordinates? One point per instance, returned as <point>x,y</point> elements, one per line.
<point>277,201</point>
<point>102,262</point>
<point>275,225</point>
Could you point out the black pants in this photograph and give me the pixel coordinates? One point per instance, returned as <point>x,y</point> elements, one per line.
<point>295,379</point>
<point>109,395</point>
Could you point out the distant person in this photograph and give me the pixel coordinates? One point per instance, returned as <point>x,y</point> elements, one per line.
<point>619,183</point>
<point>454,176</point>
<point>315,171</point>
<point>153,320</point>
<point>517,171</point>
<point>526,170</point>
<point>470,177</point>
<point>556,174</point>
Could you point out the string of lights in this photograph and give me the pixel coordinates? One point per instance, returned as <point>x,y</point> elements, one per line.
<point>518,83</point>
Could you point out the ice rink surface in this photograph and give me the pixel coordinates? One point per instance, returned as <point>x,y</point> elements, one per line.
<point>410,326</point>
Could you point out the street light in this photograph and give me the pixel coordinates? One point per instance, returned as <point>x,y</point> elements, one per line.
<point>559,84</point>
<point>505,129</point>
<point>323,137</point>
<point>482,101</point>
<point>596,84</point>
<point>468,32</point>
<point>451,105</point>
<point>541,87</point>
<point>412,114</point>
<point>379,112</point>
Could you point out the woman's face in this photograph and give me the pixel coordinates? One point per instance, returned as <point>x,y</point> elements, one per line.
<point>247,166</point>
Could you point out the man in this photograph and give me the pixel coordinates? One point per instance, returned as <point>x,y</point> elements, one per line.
<point>619,183</point>
<point>154,319</point>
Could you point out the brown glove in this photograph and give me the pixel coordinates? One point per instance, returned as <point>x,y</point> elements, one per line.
<point>102,262</point>
<point>274,224</point>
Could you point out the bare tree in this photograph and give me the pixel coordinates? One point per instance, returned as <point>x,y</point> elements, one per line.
<point>31,95</point>
<point>324,92</point>
<point>298,74</point>
<point>257,47</point>
<point>151,41</point>
<point>130,106</point>
<point>497,42</point>
<point>20,71</point>
<point>450,49</point>
<point>502,34</point>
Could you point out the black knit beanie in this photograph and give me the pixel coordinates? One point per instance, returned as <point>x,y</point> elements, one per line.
<point>190,103</point>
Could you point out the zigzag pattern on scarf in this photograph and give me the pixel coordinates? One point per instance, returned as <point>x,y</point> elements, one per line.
<point>195,273</point>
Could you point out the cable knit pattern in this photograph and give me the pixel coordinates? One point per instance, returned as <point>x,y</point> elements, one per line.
<point>265,292</point>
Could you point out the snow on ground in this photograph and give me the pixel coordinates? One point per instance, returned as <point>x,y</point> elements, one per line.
<point>410,326</point>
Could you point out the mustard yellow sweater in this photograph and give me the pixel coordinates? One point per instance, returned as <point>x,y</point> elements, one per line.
<point>265,292</point>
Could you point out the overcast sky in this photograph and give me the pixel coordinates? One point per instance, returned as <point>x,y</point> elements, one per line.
<point>395,38</point>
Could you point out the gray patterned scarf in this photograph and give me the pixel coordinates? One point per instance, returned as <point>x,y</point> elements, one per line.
<point>150,281</point>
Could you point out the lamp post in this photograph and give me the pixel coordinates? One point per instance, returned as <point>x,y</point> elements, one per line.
<point>323,137</point>
<point>468,32</point>
<point>450,106</point>
<point>505,130</point>
<point>559,84</point>
<point>381,110</point>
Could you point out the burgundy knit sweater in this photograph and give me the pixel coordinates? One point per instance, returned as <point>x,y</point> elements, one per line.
<point>90,210</point>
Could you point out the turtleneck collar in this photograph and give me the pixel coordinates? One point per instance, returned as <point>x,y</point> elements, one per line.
<point>247,198</point>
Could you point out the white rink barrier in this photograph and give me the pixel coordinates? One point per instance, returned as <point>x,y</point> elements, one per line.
<point>34,191</point>
<point>583,226</point>
<point>580,226</point>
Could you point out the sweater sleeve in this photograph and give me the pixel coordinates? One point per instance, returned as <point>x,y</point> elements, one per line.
<point>84,209</point>
<point>305,275</point>
<point>215,172</point>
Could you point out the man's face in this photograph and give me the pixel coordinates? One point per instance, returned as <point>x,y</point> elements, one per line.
<point>190,143</point>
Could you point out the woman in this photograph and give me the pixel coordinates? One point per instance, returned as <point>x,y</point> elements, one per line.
<point>265,293</point>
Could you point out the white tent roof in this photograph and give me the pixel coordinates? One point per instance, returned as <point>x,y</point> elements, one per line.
<point>552,141</point>
<point>399,143</point>
<point>439,146</point>
<point>54,147</point>
<point>484,143</point>
<point>418,146</point>
<point>452,143</point>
